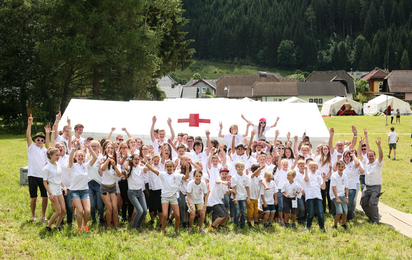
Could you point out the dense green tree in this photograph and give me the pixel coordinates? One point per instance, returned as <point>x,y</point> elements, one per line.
<point>365,59</point>
<point>286,54</point>
<point>405,65</point>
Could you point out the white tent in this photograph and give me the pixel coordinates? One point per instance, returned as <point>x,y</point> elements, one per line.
<point>334,105</point>
<point>98,117</point>
<point>382,102</point>
<point>294,100</point>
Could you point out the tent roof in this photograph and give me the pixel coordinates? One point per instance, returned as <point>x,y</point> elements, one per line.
<point>294,100</point>
<point>332,106</point>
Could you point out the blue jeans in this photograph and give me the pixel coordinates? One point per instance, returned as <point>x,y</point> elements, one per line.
<point>69,207</point>
<point>280,201</point>
<point>94,191</point>
<point>301,206</point>
<point>311,204</point>
<point>362,181</point>
<point>136,197</point>
<point>240,208</point>
<point>352,202</point>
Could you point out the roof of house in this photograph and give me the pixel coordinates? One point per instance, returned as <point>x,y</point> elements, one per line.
<point>358,74</point>
<point>242,80</point>
<point>288,80</point>
<point>376,73</point>
<point>189,92</point>
<point>399,81</point>
<point>239,91</point>
<point>170,87</point>
<point>166,81</point>
<point>191,82</point>
<point>329,76</point>
<point>210,82</point>
<point>261,89</point>
<point>321,88</point>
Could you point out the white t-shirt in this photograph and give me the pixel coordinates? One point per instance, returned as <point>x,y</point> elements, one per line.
<point>262,134</point>
<point>254,186</point>
<point>66,176</point>
<point>300,179</point>
<point>325,168</point>
<point>94,171</point>
<point>217,194</point>
<point>291,189</point>
<point>213,175</point>
<point>52,173</point>
<point>352,175</point>
<point>155,145</point>
<point>373,172</point>
<point>201,157</point>
<point>79,174</point>
<point>60,138</point>
<point>135,180</point>
<point>110,176</point>
<point>335,154</point>
<point>197,191</point>
<point>269,194</point>
<point>281,177</point>
<point>155,183</point>
<point>312,188</point>
<point>170,183</point>
<point>229,138</point>
<point>392,137</point>
<point>240,182</point>
<point>340,182</point>
<point>236,158</point>
<point>184,183</point>
<point>37,160</point>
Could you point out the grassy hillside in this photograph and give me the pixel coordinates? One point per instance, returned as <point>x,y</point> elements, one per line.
<point>213,70</point>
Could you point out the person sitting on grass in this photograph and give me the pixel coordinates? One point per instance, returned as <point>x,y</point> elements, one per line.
<point>393,138</point>
<point>197,194</point>
<point>52,179</point>
<point>340,194</point>
<point>170,182</point>
<point>314,182</point>
<point>269,199</point>
<point>290,191</point>
<point>215,201</point>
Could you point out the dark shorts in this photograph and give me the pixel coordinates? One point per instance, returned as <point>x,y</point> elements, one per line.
<point>35,182</point>
<point>107,190</point>
<point>287,205</point>
<point>220,210</point>
<point>155,201</point>
<point>392,146</point>
<point>269,209</point>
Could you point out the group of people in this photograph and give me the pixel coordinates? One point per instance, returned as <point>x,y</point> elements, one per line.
<point>186,178</point>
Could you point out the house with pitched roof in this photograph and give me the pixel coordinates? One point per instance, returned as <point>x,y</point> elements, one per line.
<point>375,80</point>
<point>399,82</point>
<point>170,87</point>
<point>334,76</point>
<point>195,88</point>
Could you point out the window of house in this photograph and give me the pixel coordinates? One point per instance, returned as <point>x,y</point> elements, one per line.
<point>203,90</point>
<point>310,100</point>
<point>320,101</point>
<point>275,99</point>
<point>315,100</point>
<point>280,100</point>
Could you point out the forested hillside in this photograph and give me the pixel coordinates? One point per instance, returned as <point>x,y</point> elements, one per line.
<point>303,34</point>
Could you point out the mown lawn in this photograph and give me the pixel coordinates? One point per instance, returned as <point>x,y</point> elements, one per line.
<point>20,238</point>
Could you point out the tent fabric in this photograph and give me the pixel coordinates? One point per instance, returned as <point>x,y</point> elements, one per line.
<point>294,100</point>
<point>382,102</point>
<point>136,116</point>
<point>341,106</point>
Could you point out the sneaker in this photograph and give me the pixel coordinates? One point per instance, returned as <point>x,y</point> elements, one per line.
<point>190,230</point>
<point>151,222</point>
<point>276,219</point>
<point>282,223</point>
<point>212,228</point>
<point>58,228</point>
<point>269,224</point>
<point>293,225</point>
<point>85,228</point>
<point>323,230</point>
<point>394,158</point>
<point>345,227</point>
<point>184,224</point>
<point>334,227</point>
<point>307,228</point>
<point>48,229</point>
<point>388,156</point>
<point>201,230</point>
<point>221,227</point>
<point>79,230</point>
<point>286,225</point>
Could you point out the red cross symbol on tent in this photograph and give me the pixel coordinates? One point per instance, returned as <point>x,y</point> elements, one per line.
<point>194,120</point>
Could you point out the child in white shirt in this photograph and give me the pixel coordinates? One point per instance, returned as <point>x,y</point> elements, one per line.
<point>220,213</point>
<point>339,183</point>
<point>267,196</point>
<point>313,184</point>
<point>241,195</point>
<point>290,190</point>
<point>197,195</point>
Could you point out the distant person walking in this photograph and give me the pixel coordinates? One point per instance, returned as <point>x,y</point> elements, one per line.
<point>398,116</point>
<point>392,115</point>
<point>393,138</point>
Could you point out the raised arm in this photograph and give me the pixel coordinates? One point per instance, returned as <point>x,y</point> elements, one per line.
<point>354,158</point>
<point>47,129</point>
<point>301,141</point>
<point>150,167</point>
<point>28,131</point>
<point>355,137</point>
<point>56,127</point>
<point>172,144</point>
<point>306,174</point>
<point>208,143</point>
<point>71,156</point>
<point>172,132</point>
<point>127,132</point>
<point>94,155</point>
<point>360,154</point>
<point>331,147</point>
<point>152,136</point>
<point>220,130</point>
<point>233,145</point>
<point>378,142</point>
<point>110,133</point>
<point>249,149</point>
<point>365,132</point>
<point>295,148</point>
<point>247,130</point>
<point>247,121</point>
<point>187,172</point>
<point>276,123</point>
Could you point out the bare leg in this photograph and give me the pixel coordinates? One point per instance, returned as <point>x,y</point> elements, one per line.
<point>115,213</point>
<point>176,212</point>
<point>192,218</point>
<point>86,208</point>
<point>165,209</point>
<point>33,202</point>
<point>202,214</point>
<point>344,219</point>
<point>394,153</point>
<point>294,218</point>
<point>265,217</point>
<point>287,217</point>
<point>79,209</point>
<point>108,213</point>
<point>57,211</point>
<point>337,217</point>
<point>63,210</point>
<point>44,207</point>
<point>271,216</point>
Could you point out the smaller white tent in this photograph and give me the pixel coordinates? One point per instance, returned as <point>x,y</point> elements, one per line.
<point>382,102</point>
<point>294,100</point>
<point>341,106</point>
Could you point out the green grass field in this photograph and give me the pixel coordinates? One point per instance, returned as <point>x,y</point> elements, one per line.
<point>213,70</point>
<point>21,238</point>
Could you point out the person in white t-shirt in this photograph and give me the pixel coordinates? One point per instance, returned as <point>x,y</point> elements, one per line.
<point>78,130</point>
<point>262,128</point>
<point>313,184</point>
<point>215,201</point>
<point>352,171</point>
<point>339,148</point>
<point>234,135</point>
<point>290,191</point>
<point>161,134</point>
<point>79,189</point>
<point>170,182</point>
<point>340,194</point>
<point>393,139</point>
<point>269,199</point>
<point>64,137</point>
<point>280,178</point>
<point>36,154</point>
<point>324,161</point>
<point>155,189</point>
<point>241,196</point>
<point>52,180</point>
<point>197,195</point>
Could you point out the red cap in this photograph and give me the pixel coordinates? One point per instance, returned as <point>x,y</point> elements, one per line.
<point>262,120</point>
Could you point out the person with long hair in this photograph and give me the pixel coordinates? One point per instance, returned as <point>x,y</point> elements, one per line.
<point>352,166</point>
<point>261,128</point>
<point>123,155</point>
<point>324,161</point>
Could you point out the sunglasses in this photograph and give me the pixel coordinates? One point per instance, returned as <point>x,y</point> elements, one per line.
<point>281,148</point>
<point>39,140</point>
<point>363,149</point>
<point>263,122</point>
<point>121,140</point>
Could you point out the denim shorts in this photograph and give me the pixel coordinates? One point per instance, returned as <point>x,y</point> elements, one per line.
<point>79,194</point>
<point>269,209</point>
<point>341,208</point>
